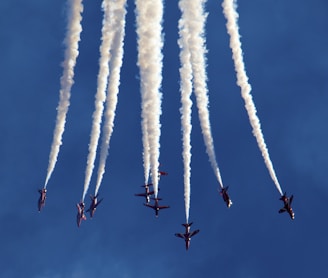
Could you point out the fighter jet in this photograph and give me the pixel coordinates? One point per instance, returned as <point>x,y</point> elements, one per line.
<point>287,205</point>
<point>161,173</point>
<point>93,205</point>
<point>225,196</point>
<point>80,213</point>
<point>147,193</point>
<point>42,199</point>
<point>156,206</point>
<point>187,235</point>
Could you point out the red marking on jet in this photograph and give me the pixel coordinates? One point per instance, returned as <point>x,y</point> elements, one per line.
<point>161,173</point>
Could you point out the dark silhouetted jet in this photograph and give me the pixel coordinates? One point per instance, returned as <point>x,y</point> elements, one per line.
<point>42,198</point>
<point>94,204</point>
<point>187,235</point>
<point>287,205</point>
<point>147,193</point>
<point>156,206</point>
<point>80,213</point>
<point>225,196</point>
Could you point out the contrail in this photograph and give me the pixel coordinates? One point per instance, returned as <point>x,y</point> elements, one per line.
<point>149,29</point>
<point>144,123</point>
<point>71,41</point>
<point>145,154</point>
<point>108,33</point>
<point>186,103</point>
<point>196,22</point>
<point>229,10</point>
<point>119,12</point>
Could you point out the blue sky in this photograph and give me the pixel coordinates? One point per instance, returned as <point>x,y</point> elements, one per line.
<point>285,53</point>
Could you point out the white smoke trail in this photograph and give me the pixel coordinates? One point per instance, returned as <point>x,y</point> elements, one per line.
<point>196,22</point>
<point>186,103</point>
<point>108,33</point>
<point>149,30</point>
<point>119,12</point>
<point>145,154</point>
<point>71,41</point>
<point>229,10</point>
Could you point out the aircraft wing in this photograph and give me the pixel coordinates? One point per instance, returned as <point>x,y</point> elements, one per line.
<point>144,194</point>
<point>39,206</point>
<point>140,194</point>
<point>147,185</point>
<point>282,210</point>
<point>194,233</point>
<point>149,205</point>
<point>179,235</point>
<point>291,199</point>
<point>163,207</point>
<point>99,202</point>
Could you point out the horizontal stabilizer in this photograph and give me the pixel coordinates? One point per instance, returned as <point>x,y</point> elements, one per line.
<point>282,210</point>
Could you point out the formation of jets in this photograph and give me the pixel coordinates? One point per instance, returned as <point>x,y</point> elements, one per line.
<point>287,205</point>
<point>81,207</point>
<point>187,234</point>
<point>156,207</point>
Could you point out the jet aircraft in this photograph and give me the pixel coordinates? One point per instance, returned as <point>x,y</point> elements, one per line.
<point>80,213</point>
<point>161,173</point>
<point>94,204</point>
<point>287,205</point>
<point>42,199</point>
<point>156,206</point>
<point>225,196</point>
<point>147,193</point>
<point>187,235</point>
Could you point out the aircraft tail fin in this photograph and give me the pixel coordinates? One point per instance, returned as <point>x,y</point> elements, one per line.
<point>187,224</point>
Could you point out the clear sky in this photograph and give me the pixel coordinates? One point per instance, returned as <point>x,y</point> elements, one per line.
<point>285,52</point>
